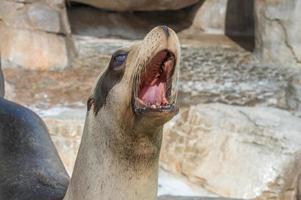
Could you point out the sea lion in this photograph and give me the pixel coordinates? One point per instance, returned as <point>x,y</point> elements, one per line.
<point>119,152</point>
<point>1,82</point>
<point>30,168</point>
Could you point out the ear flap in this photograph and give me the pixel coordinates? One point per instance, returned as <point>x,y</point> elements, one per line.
<point>102,89</point>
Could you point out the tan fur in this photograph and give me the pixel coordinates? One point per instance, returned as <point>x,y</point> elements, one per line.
<point>119,151</point>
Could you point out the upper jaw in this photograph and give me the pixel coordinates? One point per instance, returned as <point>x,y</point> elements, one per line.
<point>154,88</point>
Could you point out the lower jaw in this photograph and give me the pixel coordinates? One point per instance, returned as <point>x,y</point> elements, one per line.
<point>165,112</point>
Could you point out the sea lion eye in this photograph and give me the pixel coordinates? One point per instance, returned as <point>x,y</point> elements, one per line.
<point>118,60</point>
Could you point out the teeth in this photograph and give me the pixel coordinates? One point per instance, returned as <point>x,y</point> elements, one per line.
<point>154,81</point>
<point>166,106</point>
<point>153,105</point>
<point>140,101</point>
<point>165,101</point>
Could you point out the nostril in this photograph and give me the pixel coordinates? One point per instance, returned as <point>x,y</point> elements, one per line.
<point>165,29</point>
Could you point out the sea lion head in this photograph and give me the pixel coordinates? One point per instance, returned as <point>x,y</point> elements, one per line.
<point>140,81</point>
<point>134,97</point>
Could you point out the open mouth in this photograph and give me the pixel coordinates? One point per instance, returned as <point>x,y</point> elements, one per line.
<point>154,90</point>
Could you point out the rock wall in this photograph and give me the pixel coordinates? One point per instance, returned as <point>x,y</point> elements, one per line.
<point>35,34</point>
<point>278,28</point>
<point>236,152</point>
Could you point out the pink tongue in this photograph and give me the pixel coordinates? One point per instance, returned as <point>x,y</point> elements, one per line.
<point>153,94</point>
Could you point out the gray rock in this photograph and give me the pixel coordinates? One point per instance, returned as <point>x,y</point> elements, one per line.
<point>237,152</point>
<point>277,26</point>
<point>38,16</point>
<point>43,17</point>
<point>35,35</point>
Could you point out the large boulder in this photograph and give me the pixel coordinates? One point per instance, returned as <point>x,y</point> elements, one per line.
<point>35,34</point>
<point>278,26</point>
<point>237,152</point>
<point>133,5</point>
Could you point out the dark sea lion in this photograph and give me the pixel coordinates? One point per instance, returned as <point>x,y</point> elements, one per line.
<point>30,168</point>
<point>135,96</point>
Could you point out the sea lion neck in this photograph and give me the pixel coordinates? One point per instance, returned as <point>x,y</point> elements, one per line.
<point>130,140</point>
<point>132,99</point>
<point>115,163</point>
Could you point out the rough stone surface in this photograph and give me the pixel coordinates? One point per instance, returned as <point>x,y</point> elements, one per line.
<point>35,35</point>
<point>236,152</point>
<point>278,24</point>
<point>132,5</point>
<point>211,74</point>
<point>232,76</point>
